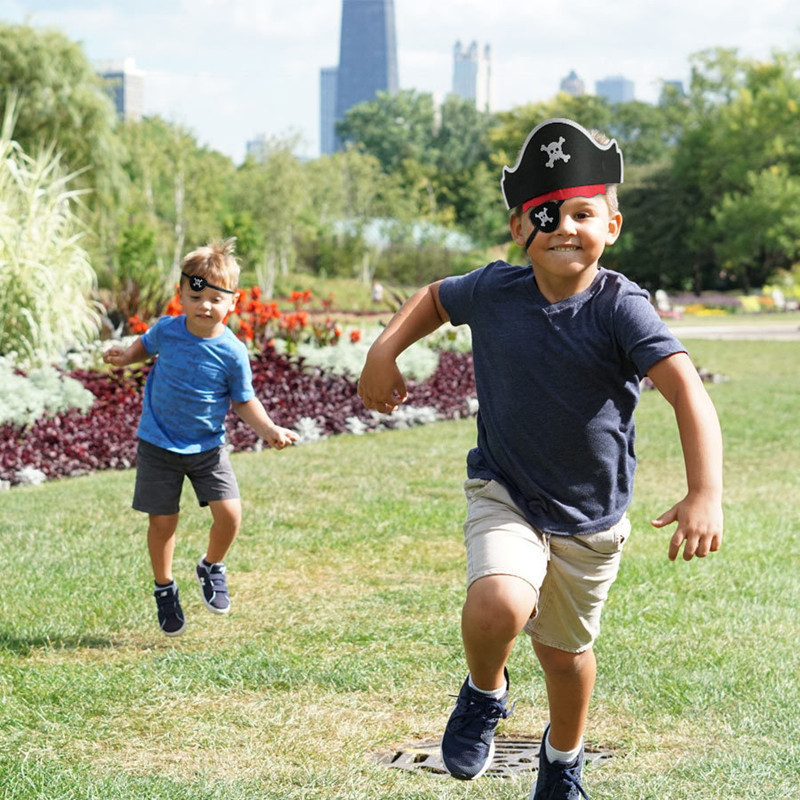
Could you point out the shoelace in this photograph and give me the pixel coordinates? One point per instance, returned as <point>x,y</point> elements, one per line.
<point>488,710</point>
<point>571,780</point>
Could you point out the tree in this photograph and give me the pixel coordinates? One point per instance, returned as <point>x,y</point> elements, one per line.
<point>271,189</point>
<point>62,105</point>
<point>175,199</point>
<point>743,128</point>
<point>62,101</point>
<point>393,127</point>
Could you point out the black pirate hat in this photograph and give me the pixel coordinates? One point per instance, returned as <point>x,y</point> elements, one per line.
<point>559,160</point>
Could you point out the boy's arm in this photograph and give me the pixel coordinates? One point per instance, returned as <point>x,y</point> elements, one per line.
<point>255,415</point>
<point>123,357</point>
<point>381,386</point>
<point>699,513</point>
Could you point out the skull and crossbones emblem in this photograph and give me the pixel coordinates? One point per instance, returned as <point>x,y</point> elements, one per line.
<point>555,152</point>
<point>543,217</point>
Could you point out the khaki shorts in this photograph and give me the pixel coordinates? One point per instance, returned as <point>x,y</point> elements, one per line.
<point>570,574</point>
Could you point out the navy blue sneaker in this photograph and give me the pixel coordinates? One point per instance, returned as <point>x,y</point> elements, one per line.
<point>170,613</point>
<point>557,781</point>
<point>213,588</point>
<point>468,741</point>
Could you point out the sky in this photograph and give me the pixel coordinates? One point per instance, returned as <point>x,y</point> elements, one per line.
<point>232,70</point>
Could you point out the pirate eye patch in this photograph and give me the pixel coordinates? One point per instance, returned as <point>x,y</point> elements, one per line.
<point>197,283</point>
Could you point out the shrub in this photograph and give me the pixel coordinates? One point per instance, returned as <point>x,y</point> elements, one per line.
<point>45,276</point>
<point>42,392</point>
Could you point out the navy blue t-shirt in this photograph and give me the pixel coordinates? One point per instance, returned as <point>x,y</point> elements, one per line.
<point>557,387</point>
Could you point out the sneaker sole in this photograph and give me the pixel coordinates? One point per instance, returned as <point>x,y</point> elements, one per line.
<point>477,775</point>
<point>208,605</point>
<point>175,633</point>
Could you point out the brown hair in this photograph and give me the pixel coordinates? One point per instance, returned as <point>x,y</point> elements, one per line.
<point>215,262</point>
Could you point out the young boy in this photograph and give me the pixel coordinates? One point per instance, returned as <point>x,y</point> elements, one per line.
<point>559,350</point>
<point>201,369</point>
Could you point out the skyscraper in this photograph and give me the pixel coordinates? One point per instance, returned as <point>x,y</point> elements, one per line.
<point>472,74</point>
<point>327,110</point>
<point>573,85</point>
<point>125,86</point>
<point>367,57</point>
<point>615,89</point>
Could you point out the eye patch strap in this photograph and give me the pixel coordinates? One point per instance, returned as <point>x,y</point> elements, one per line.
<point>197,283</point>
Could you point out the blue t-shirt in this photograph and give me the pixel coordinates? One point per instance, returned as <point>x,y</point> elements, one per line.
<point>557,387</point>
<point>191,385</point>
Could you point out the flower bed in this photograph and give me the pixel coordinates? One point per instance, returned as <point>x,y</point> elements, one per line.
<point>316,402</point>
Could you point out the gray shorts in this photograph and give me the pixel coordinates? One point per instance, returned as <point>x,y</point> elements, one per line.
<point>160,474</point>
<point>570,574</point>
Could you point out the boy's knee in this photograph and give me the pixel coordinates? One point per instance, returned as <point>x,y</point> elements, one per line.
<point>563,662</point>
<point>499,604</point>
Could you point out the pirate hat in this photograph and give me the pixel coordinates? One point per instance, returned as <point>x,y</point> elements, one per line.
<point>559,160</point>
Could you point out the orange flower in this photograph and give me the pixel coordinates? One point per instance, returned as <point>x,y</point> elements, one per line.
<point>299,298</point>
<point>137,325</point>
<point>245,331</point>
<point>174,307</point>
<point>355,336</point>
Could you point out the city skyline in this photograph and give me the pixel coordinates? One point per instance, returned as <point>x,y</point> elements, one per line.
<point>232,70</point>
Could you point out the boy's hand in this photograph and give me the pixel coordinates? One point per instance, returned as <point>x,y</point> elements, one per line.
<point>699,527</point>
<point>279,438</point>
<point>381,386</point>
<point>115,355</point>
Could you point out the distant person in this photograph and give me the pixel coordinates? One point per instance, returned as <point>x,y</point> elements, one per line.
<point>377,292</point>
<point>201,369</point>
<point>559,350</point>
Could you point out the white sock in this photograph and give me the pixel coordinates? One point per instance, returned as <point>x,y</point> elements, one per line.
<point>563,756</point>
<point>495,693</point>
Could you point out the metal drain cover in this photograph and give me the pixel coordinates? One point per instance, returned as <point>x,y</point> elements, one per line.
<point>511,757</point>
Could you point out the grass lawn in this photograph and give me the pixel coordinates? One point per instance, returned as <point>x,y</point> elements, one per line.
<point>343,642</point>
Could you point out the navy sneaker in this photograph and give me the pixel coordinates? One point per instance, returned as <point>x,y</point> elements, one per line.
<point>468,741</point>
<point>170,613</point>
<point>213,588</point>
<point>557,781</point>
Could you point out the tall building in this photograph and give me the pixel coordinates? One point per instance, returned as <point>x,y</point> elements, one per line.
<point>125,86</point>
<point>327,110</point>
<point>472,74</point>
<point>615,89</point>
<point>367,59</point>
<point>573,85</point>
<point>257,148</point>
<point>673,88</point>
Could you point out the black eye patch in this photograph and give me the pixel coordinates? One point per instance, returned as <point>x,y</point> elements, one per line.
<point>198,283</point>
<point>544,218</point>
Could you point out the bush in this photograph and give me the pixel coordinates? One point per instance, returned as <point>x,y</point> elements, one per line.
<point>42,392</point>
<point>45,276</point>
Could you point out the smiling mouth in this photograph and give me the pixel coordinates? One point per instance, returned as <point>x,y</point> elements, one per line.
<point>565,248</point>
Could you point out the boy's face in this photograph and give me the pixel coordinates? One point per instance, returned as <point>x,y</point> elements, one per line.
<point>206,309</point>
<point>566,259</point>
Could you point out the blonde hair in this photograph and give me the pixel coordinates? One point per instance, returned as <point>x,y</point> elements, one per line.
<point>215,262</point>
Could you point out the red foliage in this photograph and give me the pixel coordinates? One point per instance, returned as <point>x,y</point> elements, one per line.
<point>105,438</point>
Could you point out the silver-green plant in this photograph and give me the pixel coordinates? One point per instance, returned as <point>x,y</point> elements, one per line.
<point>46,280</point>
<point>44,391</point>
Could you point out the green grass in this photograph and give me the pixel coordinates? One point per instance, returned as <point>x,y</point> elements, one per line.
<point>344,641</point>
